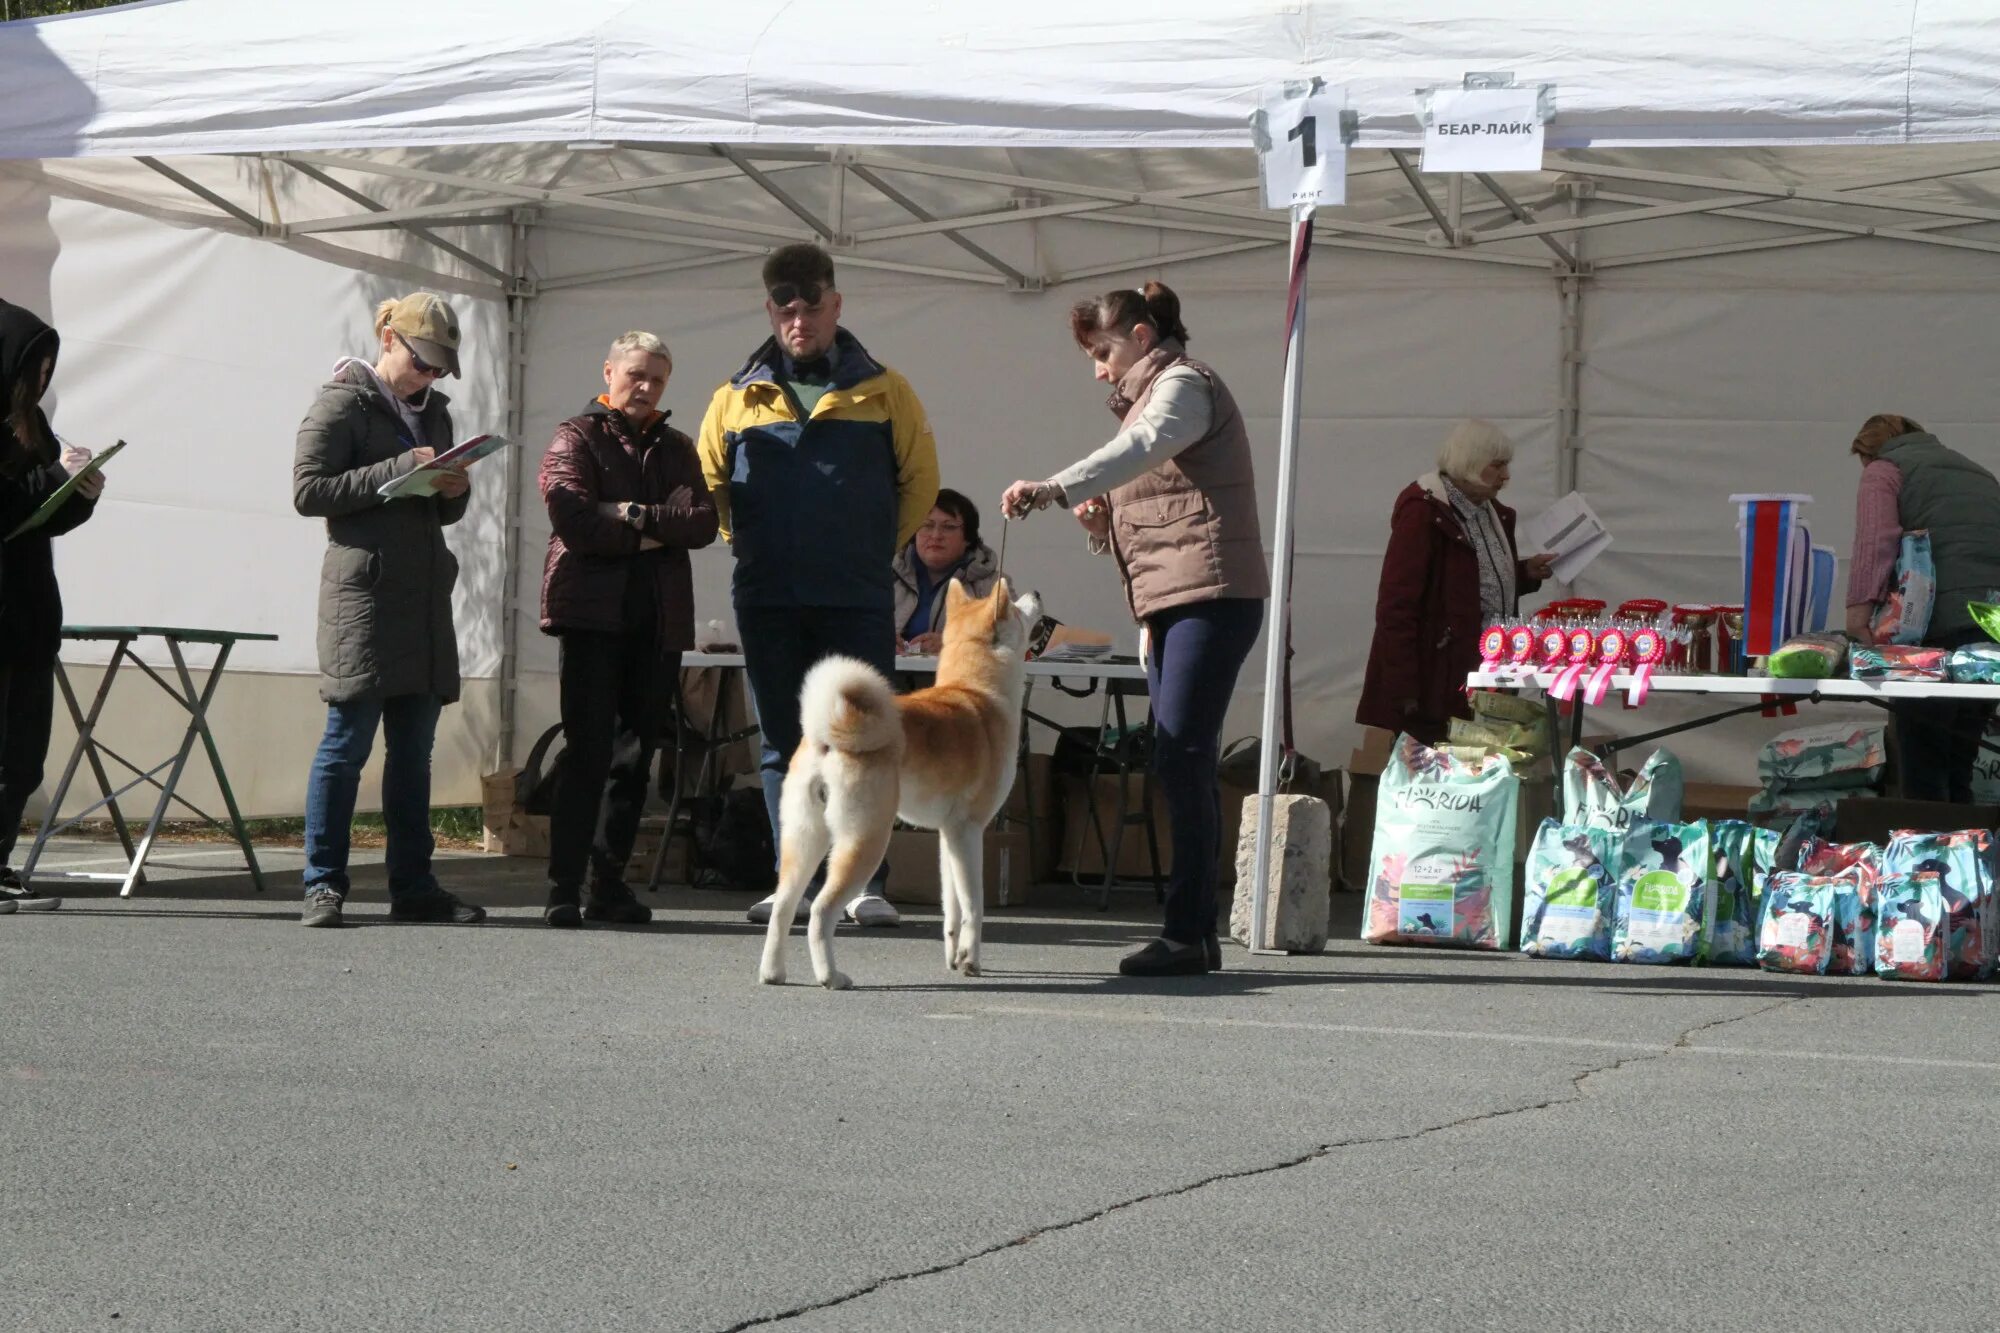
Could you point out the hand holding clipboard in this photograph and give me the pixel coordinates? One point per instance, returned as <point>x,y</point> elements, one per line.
<point>77,480</point>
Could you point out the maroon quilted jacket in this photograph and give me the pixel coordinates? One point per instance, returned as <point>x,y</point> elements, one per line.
<point>600,457</point>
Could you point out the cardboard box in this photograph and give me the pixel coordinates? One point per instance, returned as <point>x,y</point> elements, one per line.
<point>1080,853</point>
<point>1715,800</point>
<point>1876,818</point>
<point>1035,775</point>
<point>913,869</point>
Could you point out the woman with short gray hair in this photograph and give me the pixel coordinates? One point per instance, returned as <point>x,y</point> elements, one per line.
<point>1450,569</point>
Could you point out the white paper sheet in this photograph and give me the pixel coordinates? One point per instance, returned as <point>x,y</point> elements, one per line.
<point>1569,530</point>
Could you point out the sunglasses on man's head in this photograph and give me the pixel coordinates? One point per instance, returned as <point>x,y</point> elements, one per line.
<point>423,367</point>
<point>785,293</point>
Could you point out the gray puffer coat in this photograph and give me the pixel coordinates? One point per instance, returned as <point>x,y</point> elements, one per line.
<point>385,625</point>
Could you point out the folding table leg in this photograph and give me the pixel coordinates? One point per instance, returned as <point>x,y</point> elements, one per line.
<point>85,748</point>
<point>200,708</point>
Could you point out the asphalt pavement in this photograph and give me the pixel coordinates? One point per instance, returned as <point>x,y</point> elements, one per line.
<point>217,1120</point>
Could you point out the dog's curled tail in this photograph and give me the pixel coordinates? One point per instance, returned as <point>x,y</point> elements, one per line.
<point>848,705</point>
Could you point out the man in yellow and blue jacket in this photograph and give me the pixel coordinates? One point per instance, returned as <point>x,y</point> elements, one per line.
<point>823,467</point>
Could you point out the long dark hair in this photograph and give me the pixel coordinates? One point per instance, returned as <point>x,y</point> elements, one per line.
<point>1117,312</point>
<point>32,439</point>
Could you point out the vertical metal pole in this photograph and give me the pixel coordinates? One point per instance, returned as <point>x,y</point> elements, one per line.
<point>1281,575</point>
<point>519,294</point>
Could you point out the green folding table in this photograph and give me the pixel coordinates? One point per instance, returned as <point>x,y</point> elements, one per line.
<point>180,687</point>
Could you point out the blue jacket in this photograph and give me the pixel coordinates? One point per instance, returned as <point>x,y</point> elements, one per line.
<point>816,509</point>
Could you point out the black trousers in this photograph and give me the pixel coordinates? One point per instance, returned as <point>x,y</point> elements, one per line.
<point>27,711</point>
<point>1938,740</point>
<point>616,689</point>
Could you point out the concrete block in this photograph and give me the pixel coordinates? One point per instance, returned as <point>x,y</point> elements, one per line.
<point>1301,875</point>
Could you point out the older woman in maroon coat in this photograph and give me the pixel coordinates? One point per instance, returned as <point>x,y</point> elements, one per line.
<point>626,503</point>
<point>1450,570</point>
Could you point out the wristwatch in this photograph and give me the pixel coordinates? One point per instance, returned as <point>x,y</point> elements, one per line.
<point>635,515</point>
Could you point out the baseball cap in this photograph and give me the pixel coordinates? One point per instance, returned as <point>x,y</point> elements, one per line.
<point>430,326</point>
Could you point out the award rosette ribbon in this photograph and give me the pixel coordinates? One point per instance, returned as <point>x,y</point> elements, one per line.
<point>1612,646</point>
<point>1647,650</point>
<point>1579,651</point>
<point>1492,649</point>
<point>1520,651</point>
<point>1551,648</point>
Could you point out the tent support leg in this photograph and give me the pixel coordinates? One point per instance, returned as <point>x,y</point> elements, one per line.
<point>520,291</point>
<point>1276,637</point>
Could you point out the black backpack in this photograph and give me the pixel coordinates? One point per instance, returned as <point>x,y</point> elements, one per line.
<point>535,787</point>
<point>736,842</point>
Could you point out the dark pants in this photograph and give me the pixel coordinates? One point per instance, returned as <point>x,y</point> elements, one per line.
<point>781,644</point>
<point>1938,740</point>
<point>1191,670</point>
<point>408,724</point>
<point>615,693</point>
<point>27,710</point>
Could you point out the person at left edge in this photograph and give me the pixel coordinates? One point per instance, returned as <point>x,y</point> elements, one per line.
<point>388,654</point>
<point>626,504</point>
<point>32,466</point>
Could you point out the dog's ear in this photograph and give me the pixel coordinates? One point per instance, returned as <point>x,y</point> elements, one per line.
<point>954,600</point>
<point>1003,591</point>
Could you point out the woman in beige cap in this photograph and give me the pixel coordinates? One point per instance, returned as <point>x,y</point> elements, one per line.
<point>388,655</point>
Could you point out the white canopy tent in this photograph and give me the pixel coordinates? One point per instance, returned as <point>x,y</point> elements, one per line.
<point>1752,231</point>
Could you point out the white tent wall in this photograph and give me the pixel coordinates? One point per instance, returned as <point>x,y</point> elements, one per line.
<point>204,350</point>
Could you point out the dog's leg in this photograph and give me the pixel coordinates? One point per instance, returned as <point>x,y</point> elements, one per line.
<point>852,861</point>
<point>806,838</point>
<point>962,845</point>
<point>948,892</point>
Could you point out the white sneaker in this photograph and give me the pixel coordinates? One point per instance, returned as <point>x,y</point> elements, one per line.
<point>760,911</point>
<point>872,909</point>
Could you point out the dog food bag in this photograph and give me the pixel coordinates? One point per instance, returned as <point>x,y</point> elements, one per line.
<point>1663,873</point>
<point>1964,865</point>
<point>1729,908</point>
<point>1835,755</point>
<point>1795,930</point>
<point>1442,867</point>
<point>1893,661</point>
<point>1905,615</point>
<point>1809,657</point>
<point>1592,793</point>
<point>1572,883</point>
<point>1856,870</point>
<point>1975,664</point>
<point>1910,929</point>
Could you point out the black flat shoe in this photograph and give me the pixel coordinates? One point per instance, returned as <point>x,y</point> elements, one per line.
<point>1165,958</point>
<point>1211,948</point>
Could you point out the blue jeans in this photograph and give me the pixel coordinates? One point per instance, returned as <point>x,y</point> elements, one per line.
<point>781,644</point>
<point>1197,651</point>
<point>408,723</point>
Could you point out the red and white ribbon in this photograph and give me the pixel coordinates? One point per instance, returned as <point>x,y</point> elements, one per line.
<point>1493,649</point>
<point>1611,647</point>
<point>1582,648</point>
<point>1649,649</point>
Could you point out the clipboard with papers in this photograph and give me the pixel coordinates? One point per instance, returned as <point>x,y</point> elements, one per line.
<point>423,481</point>
<point>60,496</point>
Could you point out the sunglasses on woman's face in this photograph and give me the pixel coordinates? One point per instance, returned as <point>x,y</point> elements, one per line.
<point>785,293</point>
<point>423,367</point>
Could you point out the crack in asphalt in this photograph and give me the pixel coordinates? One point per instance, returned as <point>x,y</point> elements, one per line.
<point>1325,1150</point>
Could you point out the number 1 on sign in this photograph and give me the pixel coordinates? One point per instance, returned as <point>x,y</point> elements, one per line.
<point>1306,132</point>
<point>1297,166</point>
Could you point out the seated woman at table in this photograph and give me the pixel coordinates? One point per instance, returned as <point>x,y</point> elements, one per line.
<point>946,547</point>
<point>33,465</point>
<point>1910,482</point>
<point>1450,569</point>
<point>1172,498</point>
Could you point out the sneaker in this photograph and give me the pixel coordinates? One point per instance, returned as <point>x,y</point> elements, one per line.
<point>562,913</point>
<point>18,897</point>
<point>872,909</point>
<point>435,905</point>
<point>760,911</point>
<point>1165,958</point>
<point>322,908</point>
<point>614,903</point>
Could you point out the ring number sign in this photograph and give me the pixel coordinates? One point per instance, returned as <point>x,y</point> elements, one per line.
<point>1301,153</point>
